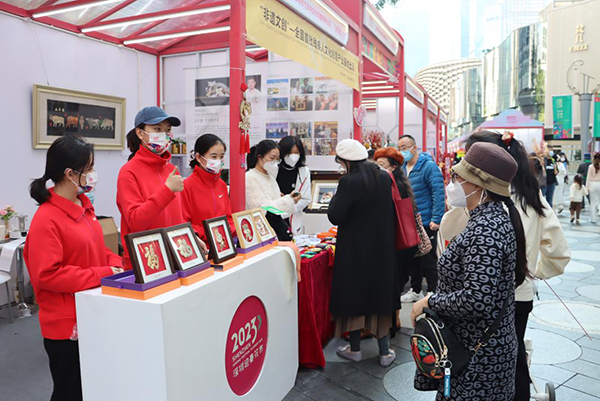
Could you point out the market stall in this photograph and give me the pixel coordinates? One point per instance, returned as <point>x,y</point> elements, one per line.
<point>524,128</point>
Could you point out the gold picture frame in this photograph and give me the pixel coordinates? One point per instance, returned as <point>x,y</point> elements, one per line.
<point>100,119</point>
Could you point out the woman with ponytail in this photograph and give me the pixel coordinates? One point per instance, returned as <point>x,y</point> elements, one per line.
<point>478,274</point>
<point>65,253</point>
<point>148,187</point>
<point>262,189</point>
<point>205,194</point>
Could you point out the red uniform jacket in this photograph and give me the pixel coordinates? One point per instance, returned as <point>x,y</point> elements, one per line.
<point>144,200</point>
<point>204,197</point>
<point>65,253</point>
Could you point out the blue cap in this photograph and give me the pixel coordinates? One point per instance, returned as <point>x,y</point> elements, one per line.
<point>154,115</point>
<point>587,156</point>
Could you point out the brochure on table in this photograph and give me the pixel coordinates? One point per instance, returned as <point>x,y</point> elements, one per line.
<point>287,98</point>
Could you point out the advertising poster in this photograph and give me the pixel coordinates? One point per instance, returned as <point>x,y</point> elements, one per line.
<point>287,98</point>
<point>562,109</point>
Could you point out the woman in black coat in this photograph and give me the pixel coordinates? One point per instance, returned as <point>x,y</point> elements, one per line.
<point>362,293</point>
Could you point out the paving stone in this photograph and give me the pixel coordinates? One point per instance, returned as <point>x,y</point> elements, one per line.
<point>582,367</point>
<point>550,373</point>
<point>336,370</point>
<point>399,383</point>
<point>332,392</point>
<point>568,394</point>
<point>308,379</point>
<point>296,395</point>
<point>365,385</point>
<point>584,384</point>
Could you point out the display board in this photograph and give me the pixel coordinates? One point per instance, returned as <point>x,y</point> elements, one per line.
<point>287,98</point>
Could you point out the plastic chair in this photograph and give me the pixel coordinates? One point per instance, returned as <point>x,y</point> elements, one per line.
<point>5,278</point>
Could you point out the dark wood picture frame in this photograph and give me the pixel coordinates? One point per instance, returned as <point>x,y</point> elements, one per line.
<point>222,256</point>
<point>138,271</point>
<point>188,230</point>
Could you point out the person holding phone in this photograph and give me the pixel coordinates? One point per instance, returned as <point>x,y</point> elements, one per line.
<point>149,187</point>
<point>294,178</point>
<point>65,253</point>
<point>262,189</point>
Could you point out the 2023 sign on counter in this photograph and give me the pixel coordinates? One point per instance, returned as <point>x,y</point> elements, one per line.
<point>246,345</point>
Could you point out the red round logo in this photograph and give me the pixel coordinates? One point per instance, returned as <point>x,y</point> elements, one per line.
<point>246,345</point>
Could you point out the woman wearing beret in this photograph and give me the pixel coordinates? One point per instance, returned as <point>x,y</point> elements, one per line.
<point>363,287</point>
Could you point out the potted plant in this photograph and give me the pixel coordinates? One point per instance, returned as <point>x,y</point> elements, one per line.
<point>6,214</point>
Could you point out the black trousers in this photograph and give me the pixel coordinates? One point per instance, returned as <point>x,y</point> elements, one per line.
<point>522,379</point>
<point>65,370</point>
<point>426,265</point>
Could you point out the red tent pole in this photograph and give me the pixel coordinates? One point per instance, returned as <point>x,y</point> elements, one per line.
<point>237,76</point>
<point>438,137</point>
<point>357,94</point>
<point>402,94</point>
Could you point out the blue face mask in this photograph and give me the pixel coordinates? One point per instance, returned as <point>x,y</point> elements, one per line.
<point>406,155</point>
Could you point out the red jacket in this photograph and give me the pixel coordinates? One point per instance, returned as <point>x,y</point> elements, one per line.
<point>64,254</point>
<point>204,197</point>
<point>143,198</point>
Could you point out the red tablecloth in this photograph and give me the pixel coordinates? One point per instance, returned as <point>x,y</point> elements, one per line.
<point>314,320</point>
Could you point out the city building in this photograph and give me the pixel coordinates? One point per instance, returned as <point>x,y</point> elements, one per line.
<point>437,79</point>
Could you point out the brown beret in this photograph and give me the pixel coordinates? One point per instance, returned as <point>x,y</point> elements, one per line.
<point>390,153</point>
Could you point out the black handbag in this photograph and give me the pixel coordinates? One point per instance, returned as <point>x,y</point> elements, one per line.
<point>436,349</point>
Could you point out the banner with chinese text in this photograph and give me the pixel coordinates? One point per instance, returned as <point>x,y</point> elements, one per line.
<point>596,120</point>
<point>562,112</point>
<point>276,28</point>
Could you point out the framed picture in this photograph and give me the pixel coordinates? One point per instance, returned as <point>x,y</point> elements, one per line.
<point>263,227</point>
<point>246,229</point>
<point>322,193</point>
<point>184,246</point>
<point>100,119</point>
<point>219,239</point>
<point>149,256</point>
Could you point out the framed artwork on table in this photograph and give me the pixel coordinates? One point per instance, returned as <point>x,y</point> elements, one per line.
<point>219,239</point>
<point>322,193</point>
<point>246,229</point>
<point>184,246</point>
<point>263,227</point>
<point>149,256</point>
<point>57,112</point>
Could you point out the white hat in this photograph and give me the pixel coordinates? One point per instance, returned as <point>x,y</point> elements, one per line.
<point>351,150</point>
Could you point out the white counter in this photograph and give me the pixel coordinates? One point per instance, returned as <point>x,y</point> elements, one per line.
<point>173,347</point>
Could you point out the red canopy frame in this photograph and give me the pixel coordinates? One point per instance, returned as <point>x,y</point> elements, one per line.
<point>350,11</point>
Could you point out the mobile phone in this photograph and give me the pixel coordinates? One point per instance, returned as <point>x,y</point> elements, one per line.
<point>294,194</point>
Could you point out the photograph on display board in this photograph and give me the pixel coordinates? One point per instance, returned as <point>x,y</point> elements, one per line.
<point>212,92</point>
<point>303,131</point>
<point>58,112</point>
<point>247,232</point>
<point>325,85</point>
<point>263,227</point>
<point>149,256</point>
<point>301,86</point>
<point>326,129</point>
<point>301,103</point>
<point>322,193</point>
<point>219,239</point>
<point>184,246</point>
<point>326,102</point>
<point>325,147</point>
<point>278,87</point>
<point>253,93</point>
<point>277,130</point>
<point>277,104</point>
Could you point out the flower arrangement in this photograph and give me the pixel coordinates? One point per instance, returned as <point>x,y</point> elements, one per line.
<point>373,139</point>
<point>7,212</point>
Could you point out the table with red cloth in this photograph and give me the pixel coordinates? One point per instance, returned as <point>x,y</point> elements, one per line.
<point>315,326</point>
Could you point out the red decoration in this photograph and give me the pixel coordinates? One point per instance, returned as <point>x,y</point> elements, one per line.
<point>244,87</point>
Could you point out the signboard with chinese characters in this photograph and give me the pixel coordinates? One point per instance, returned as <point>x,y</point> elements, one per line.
<point>322,17</point>
<point>380,30</point>
<point>580,44</point>
<point>562,112</point>
<point>414,92</point>
<point>278,29</point>
<point>596,119</point>
<point>371,51</point>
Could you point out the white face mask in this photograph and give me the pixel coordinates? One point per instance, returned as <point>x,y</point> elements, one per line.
<point>212,165</point>
<point>456,195</point>
<point>272,168</point>
<point>291,159</point>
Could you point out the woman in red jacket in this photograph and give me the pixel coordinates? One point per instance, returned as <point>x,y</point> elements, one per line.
<point>205,193</point>
<point>148,187</point>
<point>65,253</point>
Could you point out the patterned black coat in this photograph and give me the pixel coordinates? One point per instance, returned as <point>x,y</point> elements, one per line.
<point>476,275</point>
<point>364,272</point>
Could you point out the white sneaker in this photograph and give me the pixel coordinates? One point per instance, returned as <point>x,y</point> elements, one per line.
<point>411,296</point>
<point>386,360</point>
<point>429,293</point>
<point>347,353</point>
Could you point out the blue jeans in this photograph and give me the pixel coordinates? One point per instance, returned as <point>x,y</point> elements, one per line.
<point>549,193</point>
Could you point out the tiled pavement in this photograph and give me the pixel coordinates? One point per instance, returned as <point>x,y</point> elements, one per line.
<point>562,353</point>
